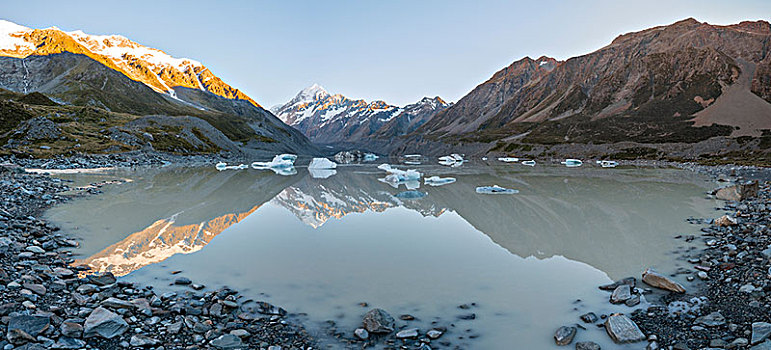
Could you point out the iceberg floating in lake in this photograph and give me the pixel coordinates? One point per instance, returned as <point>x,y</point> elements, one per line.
<point>279,161</point>
<point>400,175</point>
<point>410,195</point>
<point>284,171</point>
<point>508,159</point>
<point>322,163</point>
<point>410,185</point>
<point>453,160</point>
<point>572,163</point>
<point>368,157</point>
<point>321,173</point>
<point>608,163</point>
<point>495,189</point>
<point>528,162</point>
<point>484,158</point>
<point>224,166</point>
<point>438,181</point>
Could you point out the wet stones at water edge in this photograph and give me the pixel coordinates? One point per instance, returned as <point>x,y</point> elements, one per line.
<point>623,330</point>
<point>658,280</point>
<point>564,335</point>
<point>377,324</point>
<point>45,305</point>
<point>378,321</point>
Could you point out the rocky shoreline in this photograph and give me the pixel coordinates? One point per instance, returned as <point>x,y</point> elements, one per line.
<point>730,307</point>
<point>47,304</point>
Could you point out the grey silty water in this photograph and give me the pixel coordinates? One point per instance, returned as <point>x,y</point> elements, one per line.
<point>320,247</point>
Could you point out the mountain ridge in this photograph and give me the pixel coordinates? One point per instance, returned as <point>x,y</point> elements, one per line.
<point>652,86</point>
<point>153,67</point>
<point>335,119</point>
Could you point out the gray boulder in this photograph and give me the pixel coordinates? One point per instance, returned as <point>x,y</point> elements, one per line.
<point>378,321</point>
<point>623,330</point>
<point>104,323</point>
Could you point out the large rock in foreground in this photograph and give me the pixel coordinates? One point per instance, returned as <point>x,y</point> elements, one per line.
<point>104,323</point>
<point>378,321</point>
<point>738,192</point>
<point>658,280</point>
<point>623,330</point>
<point>32,325</point>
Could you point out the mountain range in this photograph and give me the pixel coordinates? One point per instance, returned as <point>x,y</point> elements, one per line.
<point>688,83</point>
<point>688,90</point>
<point>107,93</point>
<point>335,119</point>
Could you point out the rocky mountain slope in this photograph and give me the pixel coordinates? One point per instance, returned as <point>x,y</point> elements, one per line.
<point>682,83</point>
<point>122,81</point>
<point>336,119</point>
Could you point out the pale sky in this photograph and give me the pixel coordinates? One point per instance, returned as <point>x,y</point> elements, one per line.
<point>397,51</point>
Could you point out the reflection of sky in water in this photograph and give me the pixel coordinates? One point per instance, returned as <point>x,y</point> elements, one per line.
<point>353,243</point>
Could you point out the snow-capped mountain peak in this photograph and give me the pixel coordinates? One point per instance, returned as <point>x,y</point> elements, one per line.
<point>327,118</point>
<point>311,93</point>
<point>155,68</point>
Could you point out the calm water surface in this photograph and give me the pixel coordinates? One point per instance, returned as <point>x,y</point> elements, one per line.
<point>319,247</point>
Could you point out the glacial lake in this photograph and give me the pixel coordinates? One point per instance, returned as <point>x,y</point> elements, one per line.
<point>321,246</point>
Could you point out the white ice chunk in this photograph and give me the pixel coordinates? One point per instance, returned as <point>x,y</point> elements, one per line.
<point>438,181</point>
<point>368,157</point>
<point>495,189</point>
<point>572,163</point>
<point>321,173</point>
<point>224,166</point>
<point>400,175</point>
<point>608,163</point>
<point>279,161</point>
<point>528,162</point>
<point>453,160</point>
<point>322,163</point>
<point>508,159</point>
<point>284,171</point>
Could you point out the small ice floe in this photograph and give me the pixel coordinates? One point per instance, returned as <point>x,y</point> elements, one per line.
<point>438,181</point>
<point>285,171</point>
<point>224,166</point>
<point>279,161</point>
<point>410,195</point>
<point>484,158</point>
<point>412,159</point>
<point>607,163</point>
<point>322,163</point>
<point>528,162</point>
<point>508,159</point>
<point>369,157</point>
<point>322,173</point>
<point>495,189</point>
<point>395,177</point>
<point>572,163</point>
<point>410,184</point>
<point>400,175</point>
<point>453,160</point>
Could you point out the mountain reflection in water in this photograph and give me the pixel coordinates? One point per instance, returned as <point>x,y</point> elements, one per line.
<point>595,216</point>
